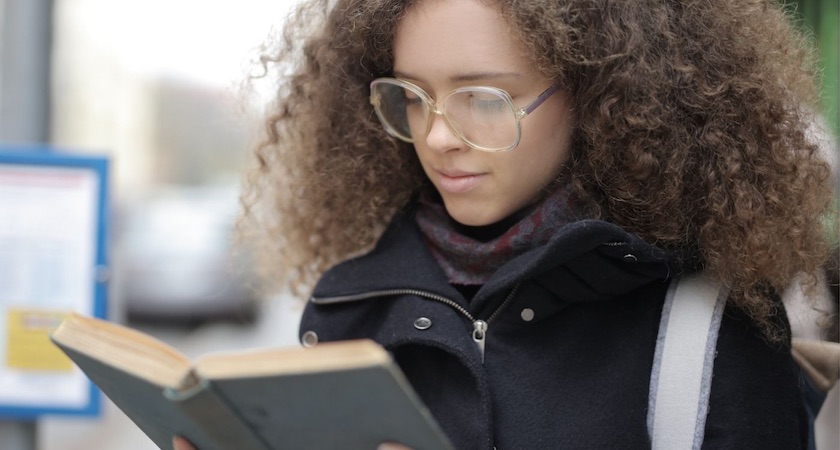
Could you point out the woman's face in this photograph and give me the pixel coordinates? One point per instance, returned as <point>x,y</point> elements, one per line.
<point>441,45</point>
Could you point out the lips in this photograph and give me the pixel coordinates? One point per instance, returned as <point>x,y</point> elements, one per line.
<point>457,181</point>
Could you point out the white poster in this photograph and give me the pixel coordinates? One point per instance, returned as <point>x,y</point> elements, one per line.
<point>48,241</point>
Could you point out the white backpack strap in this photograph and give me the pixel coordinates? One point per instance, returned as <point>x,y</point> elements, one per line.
<point>681,377</point>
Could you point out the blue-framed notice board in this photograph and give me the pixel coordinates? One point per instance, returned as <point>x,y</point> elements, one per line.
<point>53,261</point>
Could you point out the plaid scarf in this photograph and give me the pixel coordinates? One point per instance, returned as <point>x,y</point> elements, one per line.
<point>470,261</point>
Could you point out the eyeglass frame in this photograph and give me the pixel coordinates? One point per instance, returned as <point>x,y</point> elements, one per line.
<point>431,104</point>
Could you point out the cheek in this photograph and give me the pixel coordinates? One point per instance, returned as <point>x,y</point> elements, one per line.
<point>543,151</point>
<point>546,145</point>
<point>555,131</point>
<point>539,168</point>
<point>421,156</point>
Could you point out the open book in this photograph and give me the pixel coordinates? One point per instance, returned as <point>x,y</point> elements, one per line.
<point>343,395</point>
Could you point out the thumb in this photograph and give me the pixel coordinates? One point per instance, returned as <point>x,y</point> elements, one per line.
<point>179,443</point>
<point>392,446</point>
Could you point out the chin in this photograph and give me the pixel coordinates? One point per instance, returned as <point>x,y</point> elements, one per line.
<point>472,216</point>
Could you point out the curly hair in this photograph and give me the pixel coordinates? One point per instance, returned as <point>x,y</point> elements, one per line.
<point>692,132</point>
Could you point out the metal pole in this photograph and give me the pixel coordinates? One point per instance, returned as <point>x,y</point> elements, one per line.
<point>25,55</point>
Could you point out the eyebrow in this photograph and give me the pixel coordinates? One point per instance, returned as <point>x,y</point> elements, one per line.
<point>468,76</point>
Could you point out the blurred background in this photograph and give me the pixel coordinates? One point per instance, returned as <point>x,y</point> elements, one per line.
<point>155,85</point>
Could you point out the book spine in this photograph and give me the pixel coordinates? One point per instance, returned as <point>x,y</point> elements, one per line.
<point>225,429</point>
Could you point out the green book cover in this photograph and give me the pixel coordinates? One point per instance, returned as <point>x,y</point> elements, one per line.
<point>343,395</point>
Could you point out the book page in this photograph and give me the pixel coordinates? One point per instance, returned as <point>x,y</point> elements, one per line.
<point>125,349</point>
<point>324,357</point>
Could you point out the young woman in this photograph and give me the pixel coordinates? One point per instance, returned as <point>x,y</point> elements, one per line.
<point>500,193</point>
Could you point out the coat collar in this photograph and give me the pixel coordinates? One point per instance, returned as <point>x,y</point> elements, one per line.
<point>587,260</point>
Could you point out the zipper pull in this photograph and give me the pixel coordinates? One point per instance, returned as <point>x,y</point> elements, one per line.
<point>478,335</point>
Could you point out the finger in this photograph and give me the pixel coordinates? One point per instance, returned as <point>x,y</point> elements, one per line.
<point>179,443</point>
<point>392,446</point>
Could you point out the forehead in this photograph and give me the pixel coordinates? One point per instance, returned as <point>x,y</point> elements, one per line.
<point>444,38</point>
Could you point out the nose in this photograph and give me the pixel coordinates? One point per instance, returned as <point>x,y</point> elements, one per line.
<point>440,136</point>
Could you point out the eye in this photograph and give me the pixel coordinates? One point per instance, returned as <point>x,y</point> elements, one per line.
<point>487,103</point>
<point>411,98</point>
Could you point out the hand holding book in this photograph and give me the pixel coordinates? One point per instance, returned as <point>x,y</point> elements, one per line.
<point>337,395</point>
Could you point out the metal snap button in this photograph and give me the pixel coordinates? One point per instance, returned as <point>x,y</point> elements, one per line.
<point>309,339</point>
<point>527,314</point>
<point>422,323</point>
<point>630,257</point>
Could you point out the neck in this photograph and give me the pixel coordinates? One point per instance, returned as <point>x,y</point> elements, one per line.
<point>485,233</point>
<point>470,255</point>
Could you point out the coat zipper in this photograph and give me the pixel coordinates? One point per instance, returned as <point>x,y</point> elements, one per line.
<point>479,333</point>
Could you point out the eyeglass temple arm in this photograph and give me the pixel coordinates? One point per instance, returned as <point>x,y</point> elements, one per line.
<point>543,97</point>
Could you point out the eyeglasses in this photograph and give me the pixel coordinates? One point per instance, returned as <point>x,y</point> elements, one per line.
<point>485,118</point>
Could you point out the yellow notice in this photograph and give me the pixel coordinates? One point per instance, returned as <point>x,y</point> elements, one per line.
<point>28,345</point>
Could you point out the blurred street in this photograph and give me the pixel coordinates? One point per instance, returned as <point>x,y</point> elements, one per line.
<point>275,325</point>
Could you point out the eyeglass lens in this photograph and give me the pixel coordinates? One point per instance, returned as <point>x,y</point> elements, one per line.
<point>484,119</point>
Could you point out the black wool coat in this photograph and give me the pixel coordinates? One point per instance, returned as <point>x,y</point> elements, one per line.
<point>571,329</point>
